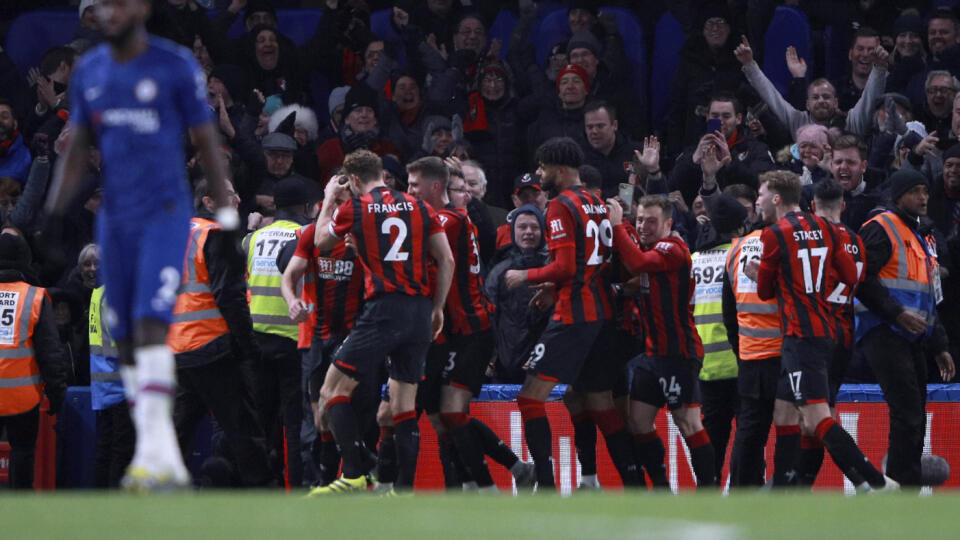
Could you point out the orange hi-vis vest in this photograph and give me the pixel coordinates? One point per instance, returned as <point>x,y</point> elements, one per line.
<point>21,386</point>
<point>196,319</point>
<point>759,320</point>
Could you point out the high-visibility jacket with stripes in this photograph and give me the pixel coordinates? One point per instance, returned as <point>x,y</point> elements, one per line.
<point>719,362</point>
<point>21,385</point>
<point>196,318</point>
<point>911,275</point>
<point>268,309</point>
<point>106,386</point>
<point>758,320</point>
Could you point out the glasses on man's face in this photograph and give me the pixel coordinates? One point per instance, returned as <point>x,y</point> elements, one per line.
<point>495,79</point>
<point>715,23</point>
<point>941,90</point>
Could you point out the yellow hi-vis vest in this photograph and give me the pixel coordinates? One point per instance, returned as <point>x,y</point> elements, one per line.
<point>268,310</point>
<point>719,362</point>
<point>106,387</point>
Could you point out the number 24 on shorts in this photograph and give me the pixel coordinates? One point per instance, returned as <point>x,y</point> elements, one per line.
<point>671,388</point>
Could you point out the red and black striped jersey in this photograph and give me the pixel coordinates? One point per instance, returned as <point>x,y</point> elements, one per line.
<point>467,308</point>
<point>580,238</point>
<point>666,287</point>
<point>841,295</point>
<point>627,310</point>
<point>339,285</point>
<point>799,253</point>
<point>391,231</point>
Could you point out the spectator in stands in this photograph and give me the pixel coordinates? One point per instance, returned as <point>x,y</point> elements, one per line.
<point>707,66</point>
<point>493,128</point>
<point>71,321</point>
<point>360,129</point>
<point>50,108</point>
<point>228,83</point>
<point>526,191</point>
<point>822,104</point>
<point>741,157</point>
<point>405,112</point>
<point>944,205</point>
<point>609,150</point>
<point>45,369</point>
<point>88,32</point>
<point>943,41</point>
<point>272,67</point>
<point>808,157</point>
<point>848,166</point>
<point>565,118</point>
<point>179,21</point>
<point>747,196</point>
<point>437,136</point>
<point>335,102</point>
<point>517,325</point>
<point>470,34</point>
<point>14,155</point>
<point>278,151</point>
<point>486,217</point>
<point>909,55</point>
<point>305,132</point>
<point>936,113</point>
<point>848,90</point>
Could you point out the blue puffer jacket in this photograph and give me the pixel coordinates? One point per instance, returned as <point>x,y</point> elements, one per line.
<point>15,161</point>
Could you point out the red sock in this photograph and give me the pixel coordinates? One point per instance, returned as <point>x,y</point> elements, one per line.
<point>810,443</point>
<point>335,401</point>
<point>823,427</point>
<point>793,429</point>
<point>404,416</point>
<point>326,436</point>
<point>698,439</point>
<point>608,421</point>
<point>641,438</point>
<point>531,408</point>
<point>454,420</point>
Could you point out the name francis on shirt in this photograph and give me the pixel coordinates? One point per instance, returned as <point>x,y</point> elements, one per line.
<point>387,208</point>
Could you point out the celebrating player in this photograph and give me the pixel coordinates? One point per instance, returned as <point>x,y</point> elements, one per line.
<point>395,237</point>
<point>798,251</point>
<point>135,97</point>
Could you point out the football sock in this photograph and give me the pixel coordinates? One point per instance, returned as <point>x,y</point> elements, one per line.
<point>787,450</point>
<point>128,374</point>
<point>847,455</point>
<point>329,457</point>
<point>651,453</point>
<point>493,446</point>
<point>387,457</point>
<point>407,436</point>
<point>810,461</point>
<point>451,476</point>
<point>536,430</point>
<point>156,384</point>
<point>618,445</point>
<point>703,458</point>
<point>471,453</point>
<point>585,439</point>
<point>343,423</point>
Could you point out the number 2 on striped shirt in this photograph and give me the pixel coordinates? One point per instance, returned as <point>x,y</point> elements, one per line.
<point>805,254</point>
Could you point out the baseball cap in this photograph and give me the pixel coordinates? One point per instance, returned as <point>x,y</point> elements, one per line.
<point>279,141</point>
<point>527,180</point>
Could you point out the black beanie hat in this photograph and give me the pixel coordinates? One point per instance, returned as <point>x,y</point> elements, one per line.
<point>234,78</point>
<point>14,253</point>
<point>359,95</point>
<point>903,181</point>
<point>952,152</point>
<point>726,214</point>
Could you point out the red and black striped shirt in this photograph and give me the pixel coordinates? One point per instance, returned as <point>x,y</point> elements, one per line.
<point>799,252</point>
<point>666,314</point>
<point>339,285</point>
<point>580,239</point>
<point>391,230</point>
<point>840,294</point>
<point>467,308</point>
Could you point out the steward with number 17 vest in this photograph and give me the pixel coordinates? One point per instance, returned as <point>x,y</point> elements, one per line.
<point>211,315</point>
<point>902,275</point>
<point>106,386</point>
<point>753,324</point>
<point>32,359</point>
<point>267,306</point>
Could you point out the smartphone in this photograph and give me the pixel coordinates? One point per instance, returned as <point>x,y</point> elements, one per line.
<point>713,124</point>
<point>625,192</point>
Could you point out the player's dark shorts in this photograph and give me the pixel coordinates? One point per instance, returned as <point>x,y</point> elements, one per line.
<point>428,391</point>
<point>624,349</point>
<point>761,380</point>
<point>562,351</point>
<point>469,357</point>
<point>804,368</point>
<point>605,366</point>
<point>394,324</point>
<point>667,380</point>
<point>321,356</point>
<point>837,370</point>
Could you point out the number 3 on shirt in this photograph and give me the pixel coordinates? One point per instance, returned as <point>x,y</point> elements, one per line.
<point>394,253</point>
<point>602,231</point>
<point>805,254</point>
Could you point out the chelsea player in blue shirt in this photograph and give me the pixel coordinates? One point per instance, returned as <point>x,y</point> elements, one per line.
<point>136,97</point>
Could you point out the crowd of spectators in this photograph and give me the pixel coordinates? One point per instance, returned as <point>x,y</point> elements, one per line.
<point>436,84</point>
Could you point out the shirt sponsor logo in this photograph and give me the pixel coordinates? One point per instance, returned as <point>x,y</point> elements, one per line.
<point>143,121</point>
<point>146,90</point>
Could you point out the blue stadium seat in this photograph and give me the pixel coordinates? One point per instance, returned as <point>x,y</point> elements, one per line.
<point>320,88</point>
<point>381,27</point>
<point>789,26</point>
<point>633,43</point>
<point>553,28</point>
<point>297,24</point>
<point>667,43</point>
<point>33,33</point>
<point>501,29</point>
<point>836,46</point>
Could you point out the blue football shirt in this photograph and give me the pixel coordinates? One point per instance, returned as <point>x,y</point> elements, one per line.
<point>139,112</point>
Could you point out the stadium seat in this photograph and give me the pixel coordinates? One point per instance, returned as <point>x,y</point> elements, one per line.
<point>633,43</point>
<point>789,26</point>
<point>667,43</point>
<point>381,27</point>
<point>553,28</point>
<point>320,87</point>
<point>34,32</point>
<point>501,29</point>
<point>297,24</point>
<point>836,45</point>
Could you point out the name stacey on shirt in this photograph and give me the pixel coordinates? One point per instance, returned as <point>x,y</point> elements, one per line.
<point>807,235</point>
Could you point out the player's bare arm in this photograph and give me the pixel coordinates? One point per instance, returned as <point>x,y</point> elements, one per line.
<point>288,288</point>
<point>440,251</point>
<point>323,239</point>
<point>70,168</point>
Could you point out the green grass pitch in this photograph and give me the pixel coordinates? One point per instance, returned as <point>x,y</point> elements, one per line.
<point>234,515</point>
